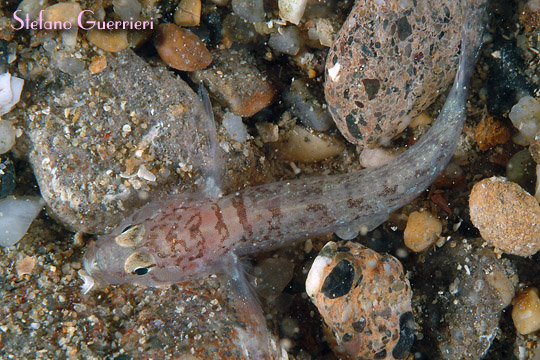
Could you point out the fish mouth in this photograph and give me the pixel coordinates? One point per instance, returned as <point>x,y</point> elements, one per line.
<point>90,262</point>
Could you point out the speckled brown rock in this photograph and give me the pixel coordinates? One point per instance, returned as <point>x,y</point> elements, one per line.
<point>384,71</point>
<point>365,299</point>
<point>507,216</point>
<point>236,82</point>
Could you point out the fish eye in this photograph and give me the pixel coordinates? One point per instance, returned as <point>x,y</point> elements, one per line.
<point>141,271</point>
<point>130,236</point>
<point>139,263</point>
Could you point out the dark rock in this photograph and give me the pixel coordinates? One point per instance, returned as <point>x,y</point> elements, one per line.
<point>7,176</point>
<point>461,289</point>
<point>505,84</point>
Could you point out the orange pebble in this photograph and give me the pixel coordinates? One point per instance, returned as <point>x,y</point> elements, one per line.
<point>181,49</point>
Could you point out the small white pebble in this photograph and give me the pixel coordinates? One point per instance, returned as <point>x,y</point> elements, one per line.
<point>145,174</point>
<point>525,116</point>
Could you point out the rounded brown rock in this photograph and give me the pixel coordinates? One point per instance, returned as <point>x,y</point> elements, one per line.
<point>506,215</point>
<point>181,49</point>
<point>390,62</point>
<point>365,300</point>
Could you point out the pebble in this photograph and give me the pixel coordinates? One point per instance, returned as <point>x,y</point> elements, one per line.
<point>112,41</point>
<point>251,10</point>
<point>381,74</point>
<point>235,127</point>
<point>98,64</point>
<point>521,169</point>
<point>65,11</point>
<point>292,10</point>
<point>7,136</point>
<point>188,13</point>
<point>128,10</point>
<point>491,132</point>
<point>25,266</point>
<point>526,311</point>
<point>300,144</point>
<point>16,215</point>
<point>88,170</point>
<point>323,31</point>
<point>271,276</point>
<point>181,49</point>
<point>31,7</point>
<point>7,176</point>
<point>236,82</point>
<point>421,120</point>
<point>506,215</point>
<point>364,299</point>
<point>286,40</point>
<point>525,116</point>
<point>303,103</point>
<point>422,231</point>
<point>238,30</point>
<point>529,16</point>
<point>461,289</point>
<point>267,131</point>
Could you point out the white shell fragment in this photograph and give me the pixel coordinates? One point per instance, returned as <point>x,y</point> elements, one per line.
<point>10,92</point>
<point>16,215</point>
<point>292,10</point>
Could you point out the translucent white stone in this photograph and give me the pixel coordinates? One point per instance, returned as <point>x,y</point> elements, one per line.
<point>525,116</point>
<point>16,215</point>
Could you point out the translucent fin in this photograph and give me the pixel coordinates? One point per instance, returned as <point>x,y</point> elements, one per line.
<point>352,231</point>
<point>211,183</point>
<point>258,344</point>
